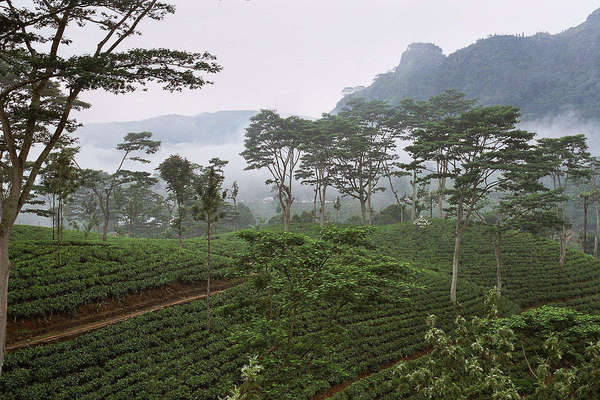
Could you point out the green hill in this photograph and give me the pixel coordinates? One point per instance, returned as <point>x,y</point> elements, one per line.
<point>544,74</point>
<point>170,355</point>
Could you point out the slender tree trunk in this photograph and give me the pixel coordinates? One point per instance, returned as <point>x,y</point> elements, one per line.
<point>363,209</point>
<point>209,237</point>
<point>369,209</point>
<point>497,251</point>
<point>597,230</point>
<point>585,220</point>
<point>53,216</point>
<point>105,227</point>
<point>441,195</point>
<point>430,207</point>
<point>322,193</point>
<point>4,273</point>
<point>59,232</point>
<point>413,214</point>
<point>455,260</point>
<point>314,213</point>
<point>563,238</point>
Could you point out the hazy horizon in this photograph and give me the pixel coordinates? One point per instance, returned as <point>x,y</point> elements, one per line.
<point>298,57</point>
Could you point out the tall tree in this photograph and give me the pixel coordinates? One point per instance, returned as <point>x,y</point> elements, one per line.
<point>363,145</point>
<point>177,172</point>
<point>210,197</point>
<point>525,203</point>
<point>484,144</point>
<point>37,56</point>
<point>274,143</point>
<point>572,162</point>
<point>60,177</point>
<point>134,145</point>
<point>316,167</point>
<point>82,210</point>
<point>138,206</point>
<point>440,110</point>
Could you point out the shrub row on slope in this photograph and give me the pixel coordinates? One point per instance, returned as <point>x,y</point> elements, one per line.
<point>574,331</point>
<point>528,278</point>
<point>170,355</point>
<point>93,271</point>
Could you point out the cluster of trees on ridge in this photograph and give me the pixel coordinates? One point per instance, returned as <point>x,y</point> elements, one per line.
<point>480,164</point>
<point>126,201</point>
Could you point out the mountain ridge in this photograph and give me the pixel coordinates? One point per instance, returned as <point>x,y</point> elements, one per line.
<point>543,74</point>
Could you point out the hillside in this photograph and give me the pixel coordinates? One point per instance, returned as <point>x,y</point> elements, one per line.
<point>207,128</point>
<point>169,353</point>
<point>544,74</point>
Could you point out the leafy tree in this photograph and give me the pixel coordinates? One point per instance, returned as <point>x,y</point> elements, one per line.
<point>409,121</point>
<point>484,144</point>
<point>60,178</point>
<point>440,110</point>
<point>275,143</point>
<point>525,203</point>
<point>208,208</point>
<point>177,172</point>
<point>316,167</point>
<point>362,148</point>
<point>467,365</point>
<point>82,210</point>
<point>34,49</point>
<point>571,163</point>
<point>138,205</point>
<point>104,185</point>
<point>233,194</point>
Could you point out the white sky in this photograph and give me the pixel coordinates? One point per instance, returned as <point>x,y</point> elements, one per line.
<point>297,56</point>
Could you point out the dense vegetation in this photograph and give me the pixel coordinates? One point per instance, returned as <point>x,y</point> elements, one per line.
<point>92,270</point>
<point>544,74</point>
<point>177,358</point>
<point>539,336</point>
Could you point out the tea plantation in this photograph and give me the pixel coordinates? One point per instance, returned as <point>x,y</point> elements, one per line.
<point>170,354</point>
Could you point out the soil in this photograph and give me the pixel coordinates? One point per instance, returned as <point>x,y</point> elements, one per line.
<point>97,315</point>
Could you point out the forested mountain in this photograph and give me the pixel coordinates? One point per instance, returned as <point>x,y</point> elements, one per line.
<point>542,74</point>
<point>206,128</point>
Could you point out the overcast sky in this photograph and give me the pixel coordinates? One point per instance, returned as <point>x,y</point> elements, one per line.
<point>297,56</point>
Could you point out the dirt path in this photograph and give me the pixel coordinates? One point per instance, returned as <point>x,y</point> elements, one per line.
<point>81,329</point>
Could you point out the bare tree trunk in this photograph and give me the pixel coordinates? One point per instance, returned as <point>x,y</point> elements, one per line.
<point>430,207</point>
<point>59,232</point>
<point>497,250</point>
<point>597,231</point>
<point>413,214</point>
<point>363,210</point>
<point>585,220</point>
<point>369,208</point>
<point>455,260</point>
<point>322,193</point>
<point>209,237</point>
<point>287,217</point>
<point>105,227</point>
<point>441,205</point>
<point>4,273</point>
<point>314,213</point>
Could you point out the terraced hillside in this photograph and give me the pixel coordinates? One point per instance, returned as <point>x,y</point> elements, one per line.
<point>531,273</point>
<point>169,354</point>
<point>92,271</point>
<point>573,330</point>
